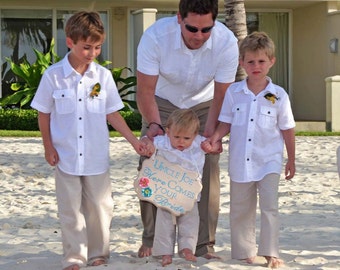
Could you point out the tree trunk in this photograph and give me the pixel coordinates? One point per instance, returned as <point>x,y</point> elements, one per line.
<point>235,20</point>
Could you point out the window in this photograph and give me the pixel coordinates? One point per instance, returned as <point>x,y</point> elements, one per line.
<point>275,24</point>
<point>25,30</point>
<point>21,31</point>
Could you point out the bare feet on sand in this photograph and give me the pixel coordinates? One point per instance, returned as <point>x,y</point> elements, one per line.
<point>250,260</point>
<point>97,262</point>
<point>72,267</point>
<point>166,259</point>
<point>144,251</point>
<point>210,256</point>
<point>187,255</point>
<point>273,262</point>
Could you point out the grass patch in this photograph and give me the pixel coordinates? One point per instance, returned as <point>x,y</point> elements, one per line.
<point>317,133</point>
<point>26,133</point>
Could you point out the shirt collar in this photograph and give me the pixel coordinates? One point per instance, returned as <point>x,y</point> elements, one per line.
<point>244,87</point>
<point>68,69</point>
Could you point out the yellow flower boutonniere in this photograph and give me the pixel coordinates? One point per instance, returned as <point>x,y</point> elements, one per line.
<point>271,97</point>
<point>95,90</point>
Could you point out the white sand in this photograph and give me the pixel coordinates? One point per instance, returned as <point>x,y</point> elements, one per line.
<point>30,231</point>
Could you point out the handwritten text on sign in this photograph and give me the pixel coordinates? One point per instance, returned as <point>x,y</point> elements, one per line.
<point>167,185</point>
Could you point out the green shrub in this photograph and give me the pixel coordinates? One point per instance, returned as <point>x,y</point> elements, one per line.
<point>133,119</point>
<point>28,77</point>
<point>16,119</point>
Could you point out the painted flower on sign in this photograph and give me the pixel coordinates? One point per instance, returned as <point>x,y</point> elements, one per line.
<point>147,192</point>
<point>144,182</point>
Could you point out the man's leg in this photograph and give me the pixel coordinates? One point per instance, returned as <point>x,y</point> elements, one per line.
<point>148,210</point>
<point>209,207</point>
<point>209,204</point>
<point>148,214</point>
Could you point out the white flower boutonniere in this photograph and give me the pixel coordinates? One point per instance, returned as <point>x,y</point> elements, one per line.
<point>271,97</point>
<point>95,90</point>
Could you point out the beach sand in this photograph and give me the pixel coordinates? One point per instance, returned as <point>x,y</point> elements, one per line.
<point>30,230</point>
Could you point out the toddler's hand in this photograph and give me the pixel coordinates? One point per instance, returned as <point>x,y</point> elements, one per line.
<point>211,147</point>
<point>206,146</point>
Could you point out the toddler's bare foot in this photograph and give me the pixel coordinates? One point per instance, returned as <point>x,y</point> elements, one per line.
<point>98,262</point>
<point>273,262</point>
<point>250,260</point>
<point>166,259</point>
<point>187,255</point>
<point>210,256</point>
<point>72,267</point>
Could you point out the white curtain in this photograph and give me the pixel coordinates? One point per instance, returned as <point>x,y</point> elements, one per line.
<point>276,26</point>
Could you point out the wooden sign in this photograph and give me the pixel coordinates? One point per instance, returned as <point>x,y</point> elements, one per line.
<point>167,185</point>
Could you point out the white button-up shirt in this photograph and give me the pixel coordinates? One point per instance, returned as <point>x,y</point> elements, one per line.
<point>186,77</point>
<point>256,142</point>
<point>78,122</point>
<point>191,158</point>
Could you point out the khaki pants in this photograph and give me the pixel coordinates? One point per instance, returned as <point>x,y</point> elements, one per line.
<point>165,232</point>
<point>210,196</point>
<point>243,204</point>
<point>85,211</point>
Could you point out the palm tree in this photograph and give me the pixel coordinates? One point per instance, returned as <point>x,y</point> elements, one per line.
<point>235,20</point>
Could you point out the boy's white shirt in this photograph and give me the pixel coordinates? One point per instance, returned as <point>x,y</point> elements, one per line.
<point>256,142</point>
<point>78,122</point>
<point>192,158</point>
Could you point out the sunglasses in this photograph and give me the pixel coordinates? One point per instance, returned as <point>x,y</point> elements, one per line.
<point>194,29</point>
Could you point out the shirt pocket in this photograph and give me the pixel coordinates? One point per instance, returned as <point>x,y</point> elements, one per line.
<point>267,118</point>
<point>239,114</point>
<point>172,75</point>
<point>64,101</point>
<point>97,104</point>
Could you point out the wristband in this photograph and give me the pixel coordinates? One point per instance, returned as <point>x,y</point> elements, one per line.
<point>159,125</point>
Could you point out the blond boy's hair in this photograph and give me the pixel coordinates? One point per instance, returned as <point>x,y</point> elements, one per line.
<point>83,25</point>
<point>184,119</point>
<point>255,42</point>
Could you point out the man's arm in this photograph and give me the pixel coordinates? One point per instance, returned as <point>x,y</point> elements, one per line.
<point>215,108</point>
<point>146,102</point>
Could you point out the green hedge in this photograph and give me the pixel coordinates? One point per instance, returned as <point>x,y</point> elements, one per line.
<point>15,119</point>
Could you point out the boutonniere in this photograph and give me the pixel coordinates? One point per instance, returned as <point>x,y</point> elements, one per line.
<point>271,97</point>
<point>95,90</point>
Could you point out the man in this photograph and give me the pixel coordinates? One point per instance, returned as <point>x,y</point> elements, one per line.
<point>186,61</point>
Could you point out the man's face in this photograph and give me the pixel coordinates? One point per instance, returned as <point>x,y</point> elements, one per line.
<point>196,29</point>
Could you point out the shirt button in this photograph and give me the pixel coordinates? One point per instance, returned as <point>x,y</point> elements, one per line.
<point>249,140</point>
<point>247,159</point>
<point>80,99</point>
<point>79,118</point>
<point>80,137</point>
<point>80,154</point>
<point>251,120</point>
